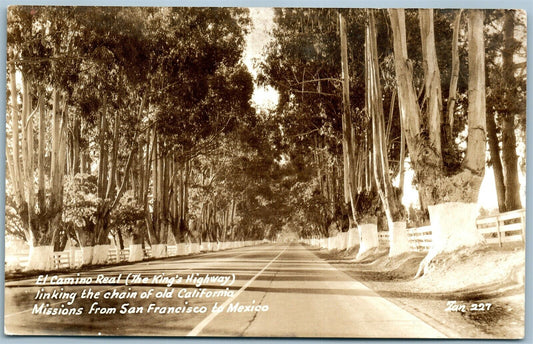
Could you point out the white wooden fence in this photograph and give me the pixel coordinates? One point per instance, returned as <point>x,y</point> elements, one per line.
<point>383,238</point>
<point>420,239</point>
<point>73,258</point>
<point>504,228</point>
<point>496,229</point>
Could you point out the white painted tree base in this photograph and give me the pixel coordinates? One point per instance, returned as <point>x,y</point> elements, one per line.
<point>331,243</point>
<point>195,247</point>
<point>453,226</point>
<point>398,239</point>
<point>159,251</point>
<point>353,238</point>
<point>75,262</point>
<point>100,253</point>
<point>342,240</point>
<point>182,249</point>
<point>87,255</point>
<point>40,258</point>
<point>136,253</point>
<point>368,238</point>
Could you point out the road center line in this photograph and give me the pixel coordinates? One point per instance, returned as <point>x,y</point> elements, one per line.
<point>195,331</point>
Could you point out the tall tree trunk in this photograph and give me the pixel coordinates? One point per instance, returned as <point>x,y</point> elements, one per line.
<point>509,156</point>
<point>76,150</point>
<point>448,142</point>
<point>432,82</point>
<point>452,94</point>
<point>446,218</point>
<point>153,230</point>
<point>347,138</point>
<point>402,161</point>
<point>44,223</point>
<point>41,191</point>
<point>495,160</point>
<point>399,242</point>
<point>510,164</point>
<point>407,98</point>
<point>475,153</point>
<point>159,247</point>
<point>108,187</point>
<point>16,174</point>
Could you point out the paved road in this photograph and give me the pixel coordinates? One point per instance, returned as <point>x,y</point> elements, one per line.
<point>270,290</point>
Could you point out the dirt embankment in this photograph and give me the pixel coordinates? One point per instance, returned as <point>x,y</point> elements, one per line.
<point>470,293</point>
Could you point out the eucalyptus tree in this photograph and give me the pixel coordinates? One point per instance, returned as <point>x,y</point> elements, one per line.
<point>41,59</point>
<point>303,64</point>
<point>87,66</point>
<point>117,40</point>
<point>237,195</point>
<point>199,91</point>
<point>449,193</point>
<point>506,95</point>
<point>389,196</point>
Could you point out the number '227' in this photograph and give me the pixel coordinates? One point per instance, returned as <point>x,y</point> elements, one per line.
<point>453,306</point>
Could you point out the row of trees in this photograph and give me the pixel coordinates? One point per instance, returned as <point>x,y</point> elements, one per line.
<point>380,81</point>
<point>131,124</point>
<point>135,124</point>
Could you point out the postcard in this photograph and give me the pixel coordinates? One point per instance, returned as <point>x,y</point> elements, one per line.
<point>265,172</point>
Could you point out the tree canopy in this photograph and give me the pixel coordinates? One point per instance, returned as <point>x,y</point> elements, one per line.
<point>131,123</point>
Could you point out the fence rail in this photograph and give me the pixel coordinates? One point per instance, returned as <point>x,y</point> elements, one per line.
<point>420,239</point>
<point>74,257</point>
<point>503,228</point>
<point>61,260</point>
<point>383,238</point>
<point>496,229</point>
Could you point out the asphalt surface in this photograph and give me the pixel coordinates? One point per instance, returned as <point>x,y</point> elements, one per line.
<point>281,290</point>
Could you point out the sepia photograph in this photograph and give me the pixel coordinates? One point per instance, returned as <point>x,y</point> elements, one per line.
<point>282,172</point>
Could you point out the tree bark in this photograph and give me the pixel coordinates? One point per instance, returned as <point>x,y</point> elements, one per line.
<point>432,83</point>
<point>107,184</point>
<point>16,175</point>
<point>41,191</point>
<point>475,152</point>
<point>510,164</point>
<point>509,156</point>
<point>495,160</point>
<point>407,98</point>
<point>347,138</point>
<point>452,94</point>
<point>437,188</point>
<point>374,105</point>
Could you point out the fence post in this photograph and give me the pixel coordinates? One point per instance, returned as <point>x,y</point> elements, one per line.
<point>498,229</point>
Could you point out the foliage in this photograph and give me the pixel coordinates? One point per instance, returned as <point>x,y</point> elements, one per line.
<point>14,226</point>
<point>142,86</point>
<point>369,206</point>
<point>126,216</point>
<point>80,201</point>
